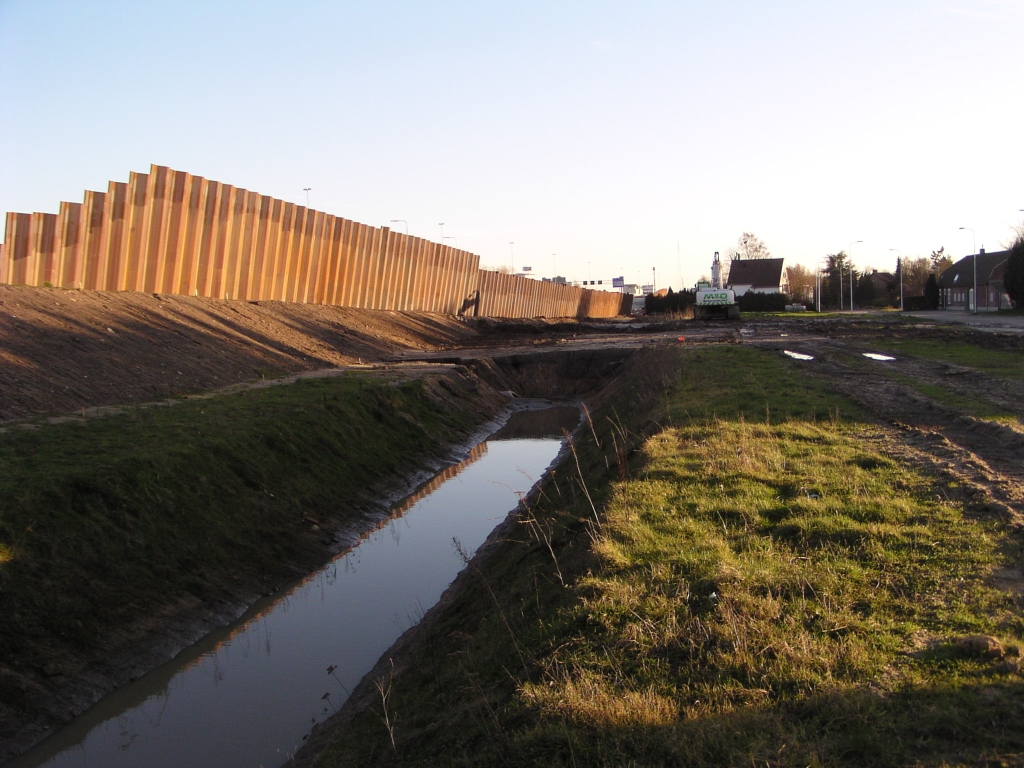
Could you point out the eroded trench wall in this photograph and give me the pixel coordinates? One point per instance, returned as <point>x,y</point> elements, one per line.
<point>171,232</point>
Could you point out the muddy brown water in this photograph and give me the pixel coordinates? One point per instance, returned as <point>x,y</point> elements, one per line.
<point>246,695</point>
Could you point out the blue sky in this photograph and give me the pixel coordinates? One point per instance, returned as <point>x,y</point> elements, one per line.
<point>615,135</point>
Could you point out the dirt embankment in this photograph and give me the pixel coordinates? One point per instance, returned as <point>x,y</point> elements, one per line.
<point>64,350</point>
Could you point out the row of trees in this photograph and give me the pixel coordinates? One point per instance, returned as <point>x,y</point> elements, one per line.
<point>1013,280</point>
<point>871,288</point>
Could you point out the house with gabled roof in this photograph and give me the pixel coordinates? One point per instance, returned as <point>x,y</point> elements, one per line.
<point>956,284</point>
<point>755,276</point>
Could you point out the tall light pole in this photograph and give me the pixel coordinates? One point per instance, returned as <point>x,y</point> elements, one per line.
<point>819,284</point>
<point>451,238</point>
<point>307,191</point>
<point>899,268</point>
<point>402,221</point>
<point>851,278</point>
<point>512,255</point>
<point>441,225</point>
<point>974,245</point>
<point>679,266</point>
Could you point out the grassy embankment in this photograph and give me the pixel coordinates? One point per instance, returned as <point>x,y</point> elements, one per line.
<point>756,584</point>
<point>106,520</point>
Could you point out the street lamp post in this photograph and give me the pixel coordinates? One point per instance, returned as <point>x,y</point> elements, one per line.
<point>899,268</point>
<point>974,245</point>
<point>451,238</point>
<point>851,276</point>
<point>307,191</point>
<point>818,286</point>
<point>402,221</point>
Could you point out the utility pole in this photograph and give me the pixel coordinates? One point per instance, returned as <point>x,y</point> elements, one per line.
<point>851,278</point>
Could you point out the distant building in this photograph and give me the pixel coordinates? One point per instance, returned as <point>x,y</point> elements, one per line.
<point>755,276</point>
<point>956,284</point>
<point>883,282</point>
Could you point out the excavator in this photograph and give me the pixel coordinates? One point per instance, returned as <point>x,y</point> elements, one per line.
<point>713,301</point>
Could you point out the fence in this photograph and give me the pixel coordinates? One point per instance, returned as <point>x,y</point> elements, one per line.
<point>171,232</point>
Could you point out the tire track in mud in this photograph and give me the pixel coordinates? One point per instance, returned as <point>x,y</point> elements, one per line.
<point>983,457</point>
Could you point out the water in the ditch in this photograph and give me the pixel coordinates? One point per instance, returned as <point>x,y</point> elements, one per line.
<point>245,696</point>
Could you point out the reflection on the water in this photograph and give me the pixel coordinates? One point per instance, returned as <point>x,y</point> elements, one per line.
<point>476,453</point>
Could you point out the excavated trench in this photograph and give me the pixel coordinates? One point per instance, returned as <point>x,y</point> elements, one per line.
<point>247,693</point>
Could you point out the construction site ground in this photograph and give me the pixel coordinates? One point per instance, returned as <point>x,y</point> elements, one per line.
<point>80,353</point>
<point>64,351</point>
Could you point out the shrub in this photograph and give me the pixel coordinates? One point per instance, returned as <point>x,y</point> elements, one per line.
<point>670,302</point>
<point>762,302</point>
<point>1014,278</point>
<point>931,292</point>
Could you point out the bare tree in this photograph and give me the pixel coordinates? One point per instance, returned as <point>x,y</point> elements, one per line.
<point>801,283</point>
<point>749,246</point>
<point>940,261</point>
<point>1016,236</point>
<point>915,275</point>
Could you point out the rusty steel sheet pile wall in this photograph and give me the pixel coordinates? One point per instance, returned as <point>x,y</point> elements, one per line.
<point>171,232</point>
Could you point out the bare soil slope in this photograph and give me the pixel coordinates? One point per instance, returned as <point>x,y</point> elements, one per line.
<point>64,350</point>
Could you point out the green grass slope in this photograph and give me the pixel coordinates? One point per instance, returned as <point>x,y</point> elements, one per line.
<point>106,520</point>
